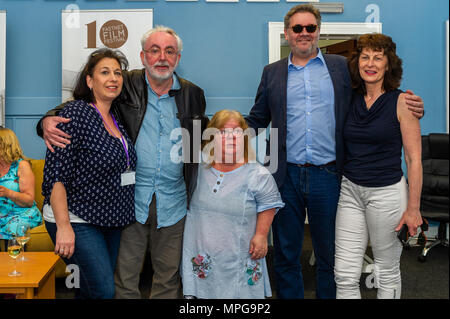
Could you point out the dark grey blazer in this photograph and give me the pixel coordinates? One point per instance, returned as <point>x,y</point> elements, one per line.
<point>270,106</point>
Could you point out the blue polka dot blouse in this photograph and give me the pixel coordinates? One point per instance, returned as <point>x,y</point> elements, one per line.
<point>90,169</point>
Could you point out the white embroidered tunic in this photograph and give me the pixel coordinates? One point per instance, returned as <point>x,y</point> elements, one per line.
<point>219,225</point>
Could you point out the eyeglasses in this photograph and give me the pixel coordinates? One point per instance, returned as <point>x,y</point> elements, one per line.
<point>156,52</point>
<point>237,132</point>
<point>309,28</point>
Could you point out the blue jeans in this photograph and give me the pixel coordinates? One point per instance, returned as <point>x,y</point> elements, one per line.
<point>96,250</point>
<point>315,189</point>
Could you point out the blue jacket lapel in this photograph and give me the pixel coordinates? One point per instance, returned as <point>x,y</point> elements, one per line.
<point>283,85</point>
<point>335,78</point>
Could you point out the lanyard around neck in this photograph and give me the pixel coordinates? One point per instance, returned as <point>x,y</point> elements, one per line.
<point>121,135</point>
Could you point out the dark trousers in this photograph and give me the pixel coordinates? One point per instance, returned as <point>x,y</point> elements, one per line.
<point>95,254</point>
<point>315,191</point>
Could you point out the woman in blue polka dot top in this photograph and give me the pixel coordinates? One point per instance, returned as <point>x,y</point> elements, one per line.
<point>89,184</point>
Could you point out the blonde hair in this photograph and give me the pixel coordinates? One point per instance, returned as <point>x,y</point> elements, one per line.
<point>218,121</point>
<point>10,150</point>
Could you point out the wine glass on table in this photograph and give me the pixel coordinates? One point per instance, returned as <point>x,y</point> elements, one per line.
<point>23,236</point>
<point>14,249</point>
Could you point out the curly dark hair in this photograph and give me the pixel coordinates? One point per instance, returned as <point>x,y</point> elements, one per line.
<point>81,90</point>
<point>376,42</point>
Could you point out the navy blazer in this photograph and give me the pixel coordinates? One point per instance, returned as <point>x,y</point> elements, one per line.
<point>270,106</point>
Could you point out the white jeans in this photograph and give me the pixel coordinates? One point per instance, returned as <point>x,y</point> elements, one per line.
<point>369,213</point>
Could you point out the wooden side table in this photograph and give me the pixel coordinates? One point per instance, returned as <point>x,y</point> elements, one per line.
<point>38,275</point>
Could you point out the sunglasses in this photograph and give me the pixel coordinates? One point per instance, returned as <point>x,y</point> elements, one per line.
<point>309,28</point>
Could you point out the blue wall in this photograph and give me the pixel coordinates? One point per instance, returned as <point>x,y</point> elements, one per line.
<point>225,50</point>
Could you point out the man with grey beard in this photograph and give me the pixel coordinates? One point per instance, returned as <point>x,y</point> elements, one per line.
<point>154,101</point>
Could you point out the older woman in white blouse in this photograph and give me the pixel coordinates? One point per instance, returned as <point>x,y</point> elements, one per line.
<point>232,208</point>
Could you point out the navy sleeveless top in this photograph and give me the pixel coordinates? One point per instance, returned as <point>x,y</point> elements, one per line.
<point>373,141</point>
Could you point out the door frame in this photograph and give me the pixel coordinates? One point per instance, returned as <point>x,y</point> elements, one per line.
<point>276,30</point>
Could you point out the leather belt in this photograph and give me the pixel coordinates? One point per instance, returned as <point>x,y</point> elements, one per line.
<point>312,165</point>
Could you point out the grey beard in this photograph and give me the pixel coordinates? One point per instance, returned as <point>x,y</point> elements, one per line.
<point>157,76</point>
<point>306,53</point>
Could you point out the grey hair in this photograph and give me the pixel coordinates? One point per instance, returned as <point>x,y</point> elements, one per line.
<point>161,28</point>
<point>302,8</point>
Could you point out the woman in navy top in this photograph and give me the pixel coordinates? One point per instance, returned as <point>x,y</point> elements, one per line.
<point>89,184</point>
<point>374,202</point>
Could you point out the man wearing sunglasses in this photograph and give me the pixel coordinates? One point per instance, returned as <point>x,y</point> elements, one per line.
<point>306,97</point>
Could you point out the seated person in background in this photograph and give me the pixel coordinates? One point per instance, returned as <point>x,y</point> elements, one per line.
<point>89,195</point>
<point>17,204</point>
<point>232,208</point>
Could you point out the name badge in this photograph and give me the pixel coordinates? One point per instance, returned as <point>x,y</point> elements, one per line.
<point>128,178</point>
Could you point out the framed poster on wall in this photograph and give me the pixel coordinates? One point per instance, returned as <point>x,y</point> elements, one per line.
<point>2,65</point>
<point>84,31</point>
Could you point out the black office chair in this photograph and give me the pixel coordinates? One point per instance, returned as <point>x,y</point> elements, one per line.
<point>434,204</point>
